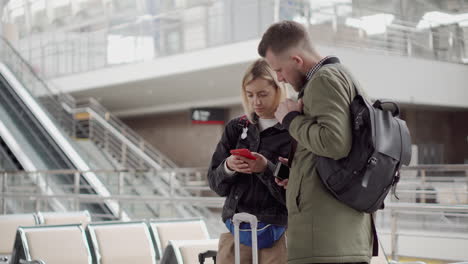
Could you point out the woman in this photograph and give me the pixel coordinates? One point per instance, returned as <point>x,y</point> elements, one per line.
<point>249,185</point>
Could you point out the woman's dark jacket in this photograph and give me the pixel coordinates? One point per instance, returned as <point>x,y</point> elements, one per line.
<point>255,193</point>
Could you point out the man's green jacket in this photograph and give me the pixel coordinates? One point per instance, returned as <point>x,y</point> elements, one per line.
<point>321,229</point>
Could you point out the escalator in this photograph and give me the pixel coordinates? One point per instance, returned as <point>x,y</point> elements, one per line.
<point>8,161</point>
<point>39,149</point>
<point>43,123</point>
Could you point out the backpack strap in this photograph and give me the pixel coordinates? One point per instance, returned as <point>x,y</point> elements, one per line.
<point>388,105</point>
<point>331,60</point>
<point>375,240</point>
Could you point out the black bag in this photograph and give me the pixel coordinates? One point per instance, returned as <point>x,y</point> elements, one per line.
<point>381,143</point>
<point>207,254</point>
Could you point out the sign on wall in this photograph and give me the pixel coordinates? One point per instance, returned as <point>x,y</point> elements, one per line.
<point>208,116</point>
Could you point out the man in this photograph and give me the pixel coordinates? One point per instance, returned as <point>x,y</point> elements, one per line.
<point>321,229</point>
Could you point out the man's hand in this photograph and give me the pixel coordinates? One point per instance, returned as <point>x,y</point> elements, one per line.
<point>285,161</point>
<point>286,107</point>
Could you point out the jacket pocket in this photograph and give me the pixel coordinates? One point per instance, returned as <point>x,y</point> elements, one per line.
<point>299,194</point>
<point>294,194</point>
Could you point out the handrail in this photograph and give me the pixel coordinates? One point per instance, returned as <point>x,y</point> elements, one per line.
<point>395,212</point>
<point>408,185</point>
<point>125,140</point>
<point>26,91</point>
<point>437,167</point>
<point>170,188</point>
<point>104,117</point>
<point>216,202</point>
<point>24,63</point>
<point>23,67</point>
<point>148,154</point>
<point>219,201</point>
<point>28,121</point>
<point>426,207</point>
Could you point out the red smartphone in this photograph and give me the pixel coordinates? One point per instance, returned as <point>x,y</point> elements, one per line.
<point>244,153</point>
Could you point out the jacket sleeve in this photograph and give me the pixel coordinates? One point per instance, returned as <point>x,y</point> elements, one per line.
<point>325,127</point>
<point>219,180</point>
<point>267,178</point>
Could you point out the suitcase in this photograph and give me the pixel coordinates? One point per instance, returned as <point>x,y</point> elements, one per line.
<point>237,220</point>
<point>207,254</point>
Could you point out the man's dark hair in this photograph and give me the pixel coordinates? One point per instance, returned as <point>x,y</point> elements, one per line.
<point>282,36</point>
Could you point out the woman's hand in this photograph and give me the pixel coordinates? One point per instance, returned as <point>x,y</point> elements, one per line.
<point>237,163</point>
<point>245,165</point>
<point>258,165</point>
<point>283,183</point>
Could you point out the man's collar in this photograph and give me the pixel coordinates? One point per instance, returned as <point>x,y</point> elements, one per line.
<point>316,67</point>
<point>325,60</point>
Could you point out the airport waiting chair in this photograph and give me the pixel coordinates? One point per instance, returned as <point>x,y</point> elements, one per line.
<point>187,251</point>
<point>177,229</point>
<point>8,226</point>
<point>51,245</point>
<point>64,218</point>
<point>121,243</point>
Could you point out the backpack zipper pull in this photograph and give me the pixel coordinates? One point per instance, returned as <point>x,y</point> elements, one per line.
<point>396,179</point>
<point>370,164</point>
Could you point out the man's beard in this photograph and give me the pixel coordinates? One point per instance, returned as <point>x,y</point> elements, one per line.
<point>298,86</point>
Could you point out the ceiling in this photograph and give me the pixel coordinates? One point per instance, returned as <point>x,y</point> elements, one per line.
<point>208,87</point>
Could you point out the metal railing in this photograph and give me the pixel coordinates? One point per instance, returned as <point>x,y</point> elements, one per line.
<point>187,193</point>
<point>119,139</point>
<point>116,139</point>
<point>393,220</point>
<point>399,220</point>
<point>47,110</point>
<point>33,83</point>
<point>446,184</point>
<point>130,151</point>
<point>181,182</point>
<point>432,203</point>
<point>148,36</point>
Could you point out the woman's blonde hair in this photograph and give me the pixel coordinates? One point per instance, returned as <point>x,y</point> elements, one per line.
<point>260,69</point>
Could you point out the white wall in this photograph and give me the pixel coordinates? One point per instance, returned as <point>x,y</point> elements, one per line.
<point>405,79</point>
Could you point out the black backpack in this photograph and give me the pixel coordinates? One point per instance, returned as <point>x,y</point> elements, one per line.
<point>381,144</point>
